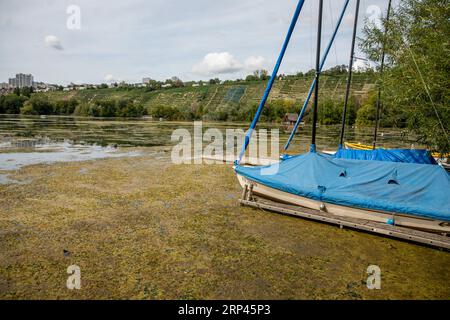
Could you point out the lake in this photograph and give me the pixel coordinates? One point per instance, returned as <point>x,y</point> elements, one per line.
<point>26,140</point>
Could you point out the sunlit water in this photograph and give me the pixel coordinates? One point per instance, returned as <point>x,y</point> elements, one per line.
<point>51,152</point>
<point>33,140</point>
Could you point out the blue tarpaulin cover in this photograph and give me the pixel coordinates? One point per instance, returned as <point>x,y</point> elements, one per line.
<point>393,155</point>
<point>417,189</point>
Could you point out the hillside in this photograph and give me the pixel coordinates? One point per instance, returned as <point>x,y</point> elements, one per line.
<point>228,101</point>
<point>212,100</point>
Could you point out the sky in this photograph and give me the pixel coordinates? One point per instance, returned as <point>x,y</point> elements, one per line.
<point>82,41</point>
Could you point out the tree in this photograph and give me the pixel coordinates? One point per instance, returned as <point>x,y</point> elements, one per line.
<point>27,91</point>
<point>175,82</point>
<point>12,103</point>
<point>166,112</point>
<point>336,70</point>
<point>38,104</point>
<point>416,82</point>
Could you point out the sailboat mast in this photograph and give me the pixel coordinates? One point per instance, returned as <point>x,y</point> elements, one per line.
<point>316,88</point>
<point>377,116</point>
<point>350,73</point>
<point>271,79</point>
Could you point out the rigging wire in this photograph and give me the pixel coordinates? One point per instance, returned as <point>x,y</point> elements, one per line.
<point>428,92</point>
<point>311,36</point>
<point>331,26</point>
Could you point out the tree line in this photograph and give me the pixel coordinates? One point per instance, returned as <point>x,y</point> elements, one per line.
<point>40,104</point>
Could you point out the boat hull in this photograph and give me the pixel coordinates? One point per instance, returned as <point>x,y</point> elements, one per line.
<point>404,220</point>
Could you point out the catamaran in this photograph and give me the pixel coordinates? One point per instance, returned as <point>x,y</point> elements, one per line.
<point>413,193</point>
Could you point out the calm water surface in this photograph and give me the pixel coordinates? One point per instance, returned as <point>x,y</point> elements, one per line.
<point>27,140</point>
<point>157,133</point>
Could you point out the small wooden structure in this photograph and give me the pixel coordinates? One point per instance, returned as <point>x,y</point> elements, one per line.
<point>290,119</point>
<point>412,235</point>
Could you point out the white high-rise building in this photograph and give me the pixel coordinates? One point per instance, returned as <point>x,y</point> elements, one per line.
<point>24,80</point>
<point>21,80</point>
<point>12,82</point>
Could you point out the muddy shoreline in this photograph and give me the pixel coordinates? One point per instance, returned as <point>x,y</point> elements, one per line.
<point>143,228</point>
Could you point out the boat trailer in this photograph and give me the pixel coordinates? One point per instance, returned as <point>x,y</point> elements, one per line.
<point>248,198</point>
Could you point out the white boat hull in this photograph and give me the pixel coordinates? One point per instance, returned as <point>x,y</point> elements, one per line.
<point>404,220</point>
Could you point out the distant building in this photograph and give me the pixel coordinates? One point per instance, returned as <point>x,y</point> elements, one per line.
<point>4,85</point>
<point>146,80</point>
<point>289,121</point>
<point>290,118</point>
<point>21,80</point>
<point>12,82</point>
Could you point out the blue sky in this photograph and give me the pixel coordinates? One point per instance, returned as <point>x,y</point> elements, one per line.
<point>197,39</point>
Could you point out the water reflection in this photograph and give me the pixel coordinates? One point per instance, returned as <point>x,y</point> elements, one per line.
<point>51,152</point>
<point>146,133</point>
<point>28,140</point>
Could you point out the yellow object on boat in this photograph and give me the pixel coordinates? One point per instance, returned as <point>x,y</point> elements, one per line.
<point>357,146</point>
<point>361,146</point>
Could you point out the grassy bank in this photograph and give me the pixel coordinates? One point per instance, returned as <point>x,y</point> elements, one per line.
<point>146,229</point>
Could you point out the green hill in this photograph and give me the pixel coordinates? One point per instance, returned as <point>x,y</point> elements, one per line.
<point>230,101</point>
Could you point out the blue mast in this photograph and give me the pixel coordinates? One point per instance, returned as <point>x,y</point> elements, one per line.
<point>311,89</point>
<point>271,80</point>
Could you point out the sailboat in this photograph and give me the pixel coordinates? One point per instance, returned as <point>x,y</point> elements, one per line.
<point>406,194</point>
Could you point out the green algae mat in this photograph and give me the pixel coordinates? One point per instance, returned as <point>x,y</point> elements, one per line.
<point>142,228</point>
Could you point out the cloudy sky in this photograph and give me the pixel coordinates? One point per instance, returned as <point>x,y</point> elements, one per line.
<point>198,39</point>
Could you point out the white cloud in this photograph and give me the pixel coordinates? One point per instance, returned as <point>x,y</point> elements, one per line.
<point>361,65</point>
<point>122,46</point>
<point>217,63</point>
<point>253,63</point>
<point>53,42</point>
<point>110,78</point>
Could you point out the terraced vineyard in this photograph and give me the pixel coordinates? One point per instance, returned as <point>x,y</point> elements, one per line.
<point>217,97</point>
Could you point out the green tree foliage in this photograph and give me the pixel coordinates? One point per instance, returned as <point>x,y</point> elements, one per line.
<point>38,104</point>
<point>26,91</point>
<point>166,112</point>
<point>258,75</point>
<point>366,114</point>
<point>11,103</point>
<point>128,108</point>
<point>214,81</point>
<point>416,82</point>
<point>336,70</point>
<point>329,112</point>
<point>65,107</point>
